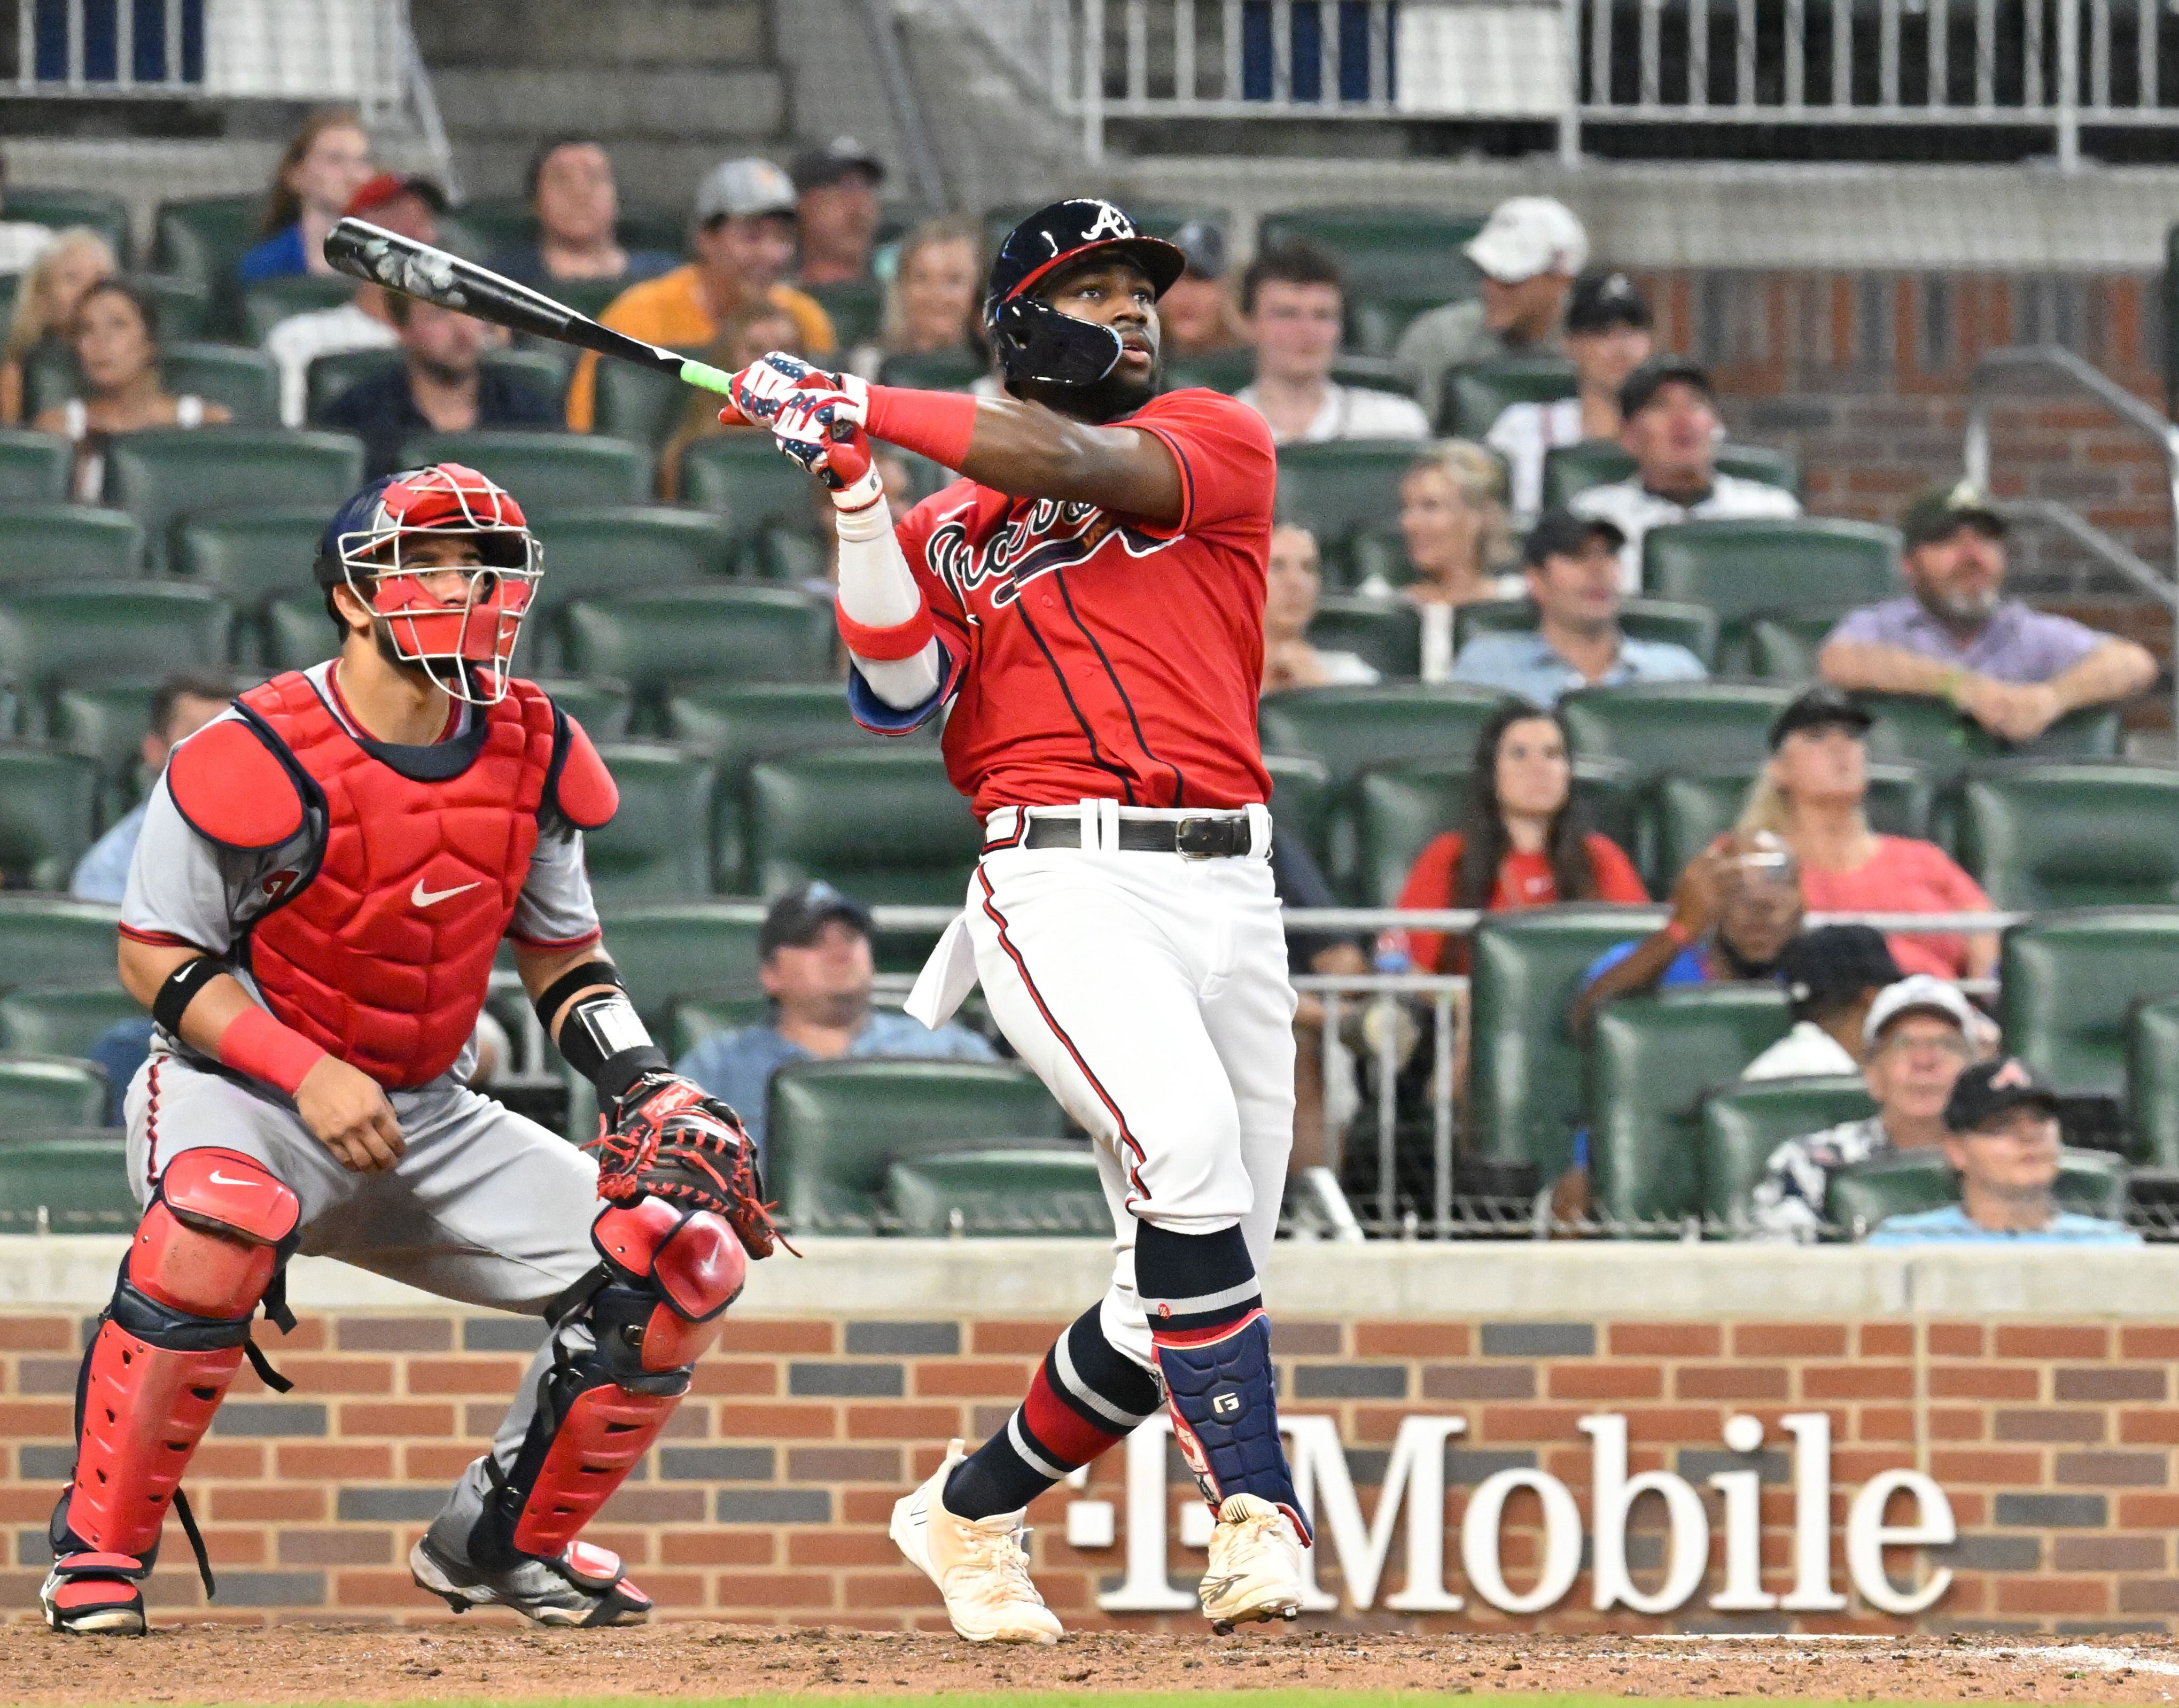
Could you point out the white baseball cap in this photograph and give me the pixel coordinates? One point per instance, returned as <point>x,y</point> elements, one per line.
<point>1917,993</point>
<point>736,188</point>
<point>1527,235</point>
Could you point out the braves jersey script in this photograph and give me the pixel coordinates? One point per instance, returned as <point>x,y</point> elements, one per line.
<point>1094,656</point>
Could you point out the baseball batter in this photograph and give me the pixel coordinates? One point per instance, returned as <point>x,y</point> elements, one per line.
<point>326,873</point>
<point>1088,604</point>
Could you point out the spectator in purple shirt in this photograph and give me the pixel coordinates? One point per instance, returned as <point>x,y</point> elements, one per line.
<point>2013,670</point>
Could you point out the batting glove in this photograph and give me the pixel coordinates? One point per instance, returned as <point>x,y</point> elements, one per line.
<point>759,389</point>
<point>822,433</point>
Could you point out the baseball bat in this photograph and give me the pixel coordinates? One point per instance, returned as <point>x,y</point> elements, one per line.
<point>385,258</point>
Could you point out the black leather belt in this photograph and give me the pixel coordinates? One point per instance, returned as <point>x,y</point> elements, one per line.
<point>1223,837</point>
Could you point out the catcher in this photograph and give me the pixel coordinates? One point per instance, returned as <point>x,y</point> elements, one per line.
<point>326,873</point>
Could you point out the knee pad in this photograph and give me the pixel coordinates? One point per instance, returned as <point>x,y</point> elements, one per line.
<point>217,1229</point>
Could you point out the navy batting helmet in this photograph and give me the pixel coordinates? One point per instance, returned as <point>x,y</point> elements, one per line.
<point>1034,341</point>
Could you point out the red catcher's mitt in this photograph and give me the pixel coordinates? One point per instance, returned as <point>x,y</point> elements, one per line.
<point>667,1140</point>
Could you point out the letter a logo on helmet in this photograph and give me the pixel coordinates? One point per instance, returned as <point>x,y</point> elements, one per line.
<point>1034,341</point>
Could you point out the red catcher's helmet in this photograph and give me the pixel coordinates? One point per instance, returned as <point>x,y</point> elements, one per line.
<point>463,645</point>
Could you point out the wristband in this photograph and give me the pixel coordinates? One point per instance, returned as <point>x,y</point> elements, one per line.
<point>936,424</point>
<point>604,1040</point>
<point>1678,933</point>
<point>256,1044</point>
<point>886,646</point>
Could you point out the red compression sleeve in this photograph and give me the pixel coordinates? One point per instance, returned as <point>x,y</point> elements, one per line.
<point>936,424</point>
<point>256,1044</point>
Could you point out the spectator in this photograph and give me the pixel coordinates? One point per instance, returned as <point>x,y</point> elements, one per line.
<point>1523,841</point>
<point>747,333</point>
<point>408,207</point>
<point>1833,976</point>
<point>440,387</point>
<point>816,948</point>
<point>2015,671</point>
<point>1459,543</point>
<point>1918,1034</point>
<point>115,339</point>
<point>932,301</point>
<point>45,305</point>
<point>22,241</point>
<point>1196,315</point>
<point>744,244</point>
<point>577,202</point>
<point>1607,338</point>
<point>1812,795</point>
<point>1526,254</point>
<point>1290,593</point>
<point>837,210</point>
<point>2002,1138</point>
<point>1670,429</point>
<point>181,705</point>
<point>1574,581</point>
<point>1323,1101</point>
<point>1292,301</point>
<point>323,167</point>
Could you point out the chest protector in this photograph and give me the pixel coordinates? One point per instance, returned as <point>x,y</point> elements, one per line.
<point>382,952</point>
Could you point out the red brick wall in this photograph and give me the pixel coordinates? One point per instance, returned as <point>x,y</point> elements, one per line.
<point>768,1497</point>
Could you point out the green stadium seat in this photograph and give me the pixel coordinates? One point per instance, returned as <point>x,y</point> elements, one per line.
<point>1525,1083</point>
<point>1692,626</point>
<point>1386,634</point>
<point>603,708</point>
<point>251,556</point>
<point>656,641</point>
<point>789,552</point>
<point>1018,1189</point>
<point>107,215</point>
<point>1743,1123</point>
<point>270,301</point>
<point>835,1128</point>
<point>1301,798</point>
<point>1476,393</point>
<point>1681,813</point>
<point>294,633</point>
<point>640,404</point>
<point>884,826</point>
<point>1765,463</point>
<point>1744,569</point>
<point>695,1019</point>
<point>1782,646</point>
<point>2040,836</point>
<point>599,554</point>
<point>105,720</point>
<point>1349,728</point>
<point>50,1091</point>
<point>185,306</point>
<point>33,467</point>
<point>244,381</point>
<point>742,477</point>
<point>66,542</point>
<point>163,475</point>
<point>204,238</point>
<point>498,221</point>
<point>934,370</point>
<point>658,846</point>
<point>1906,1182</point>
<point>1930,732</point>
<point>47,941</point>
<point>1399,809</point>
<point>2152,1080</point>
<point>49,815</point>
<point>1376,322</point>
<point>545,472</point>
<point>1573,468</point>
<point>1654,727</point>
<point>2070,979</point>
<point>1415,253</point>
<point>62,1019</point>
<point>54,637</point>
<point>669,952</point>
<point>1651,1061</point>
<point>1341,485</point>
<point>65,1179</point>
<point>856,309</point>
<point>1217,371</point>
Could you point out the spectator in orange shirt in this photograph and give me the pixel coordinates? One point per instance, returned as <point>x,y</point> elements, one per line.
<point>744,245</point>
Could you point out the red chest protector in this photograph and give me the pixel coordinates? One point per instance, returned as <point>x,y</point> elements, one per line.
<point>382,954</point>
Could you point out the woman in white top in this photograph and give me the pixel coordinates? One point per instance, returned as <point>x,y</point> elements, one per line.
<point>1607,338</point>
<point>1458,539</point>
<point>1289,592</point>
<point>115,336</point>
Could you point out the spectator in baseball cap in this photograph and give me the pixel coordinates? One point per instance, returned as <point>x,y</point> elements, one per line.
<point>1953,635</point>
<point>744,245</point>
<point>1607,338</point>
<point>816,970</point>
<point>577,202</point>
<point>1833,976</point>
<point>1669,427</point>
<point>835,190</point>
<point>1527,256</point>
<point>326,162</point>
<point>2001,1138</point>
<point>1196,315</point>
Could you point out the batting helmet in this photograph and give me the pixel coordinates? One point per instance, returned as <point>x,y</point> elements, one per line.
<point>1034,341</point>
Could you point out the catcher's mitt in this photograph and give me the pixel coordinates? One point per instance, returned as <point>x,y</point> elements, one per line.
<point>666,1138</point>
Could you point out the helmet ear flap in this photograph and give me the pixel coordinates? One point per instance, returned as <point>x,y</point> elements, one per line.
<point>1038,344</point>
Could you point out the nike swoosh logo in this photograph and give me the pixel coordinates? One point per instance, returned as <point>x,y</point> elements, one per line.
<point>220,1179</point>
<point>424,897</point>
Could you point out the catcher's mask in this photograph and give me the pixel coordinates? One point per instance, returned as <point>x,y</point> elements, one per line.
<point>462,644</point>
<point>1034,342</point>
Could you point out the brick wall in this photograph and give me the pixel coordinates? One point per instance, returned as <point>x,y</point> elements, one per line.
<point>768,1497</point>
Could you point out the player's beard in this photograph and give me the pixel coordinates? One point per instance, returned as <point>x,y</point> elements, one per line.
<point>1106,400</point>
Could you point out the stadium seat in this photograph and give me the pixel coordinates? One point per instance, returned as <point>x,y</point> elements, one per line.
<point>63,1019</point>
<point>856,309</point>
<point>164,475</point>
<point>1525,1084</point>
<point>1340,485</point>
<point>1573,468</point>
<point>1218,370</point>
<point>1743,1123</point>
<point>268,302</point>
<point>184,307</point>
<point>659,844</point>
<point>2152,1080</point>
<point>789,552</point>
<point>1398,809</point>
<point>545,472</point>
<point>65,1179</point>
<point>49,815</point>
<point>1386,251</point>
<point>246,382</point>
<point>47,941</point>
<point>884,826</point>
<point>58,209</point>
<point>1681,811</point>
<point>934,370</point>
<point>1782,646</point>
<point>671,951</point>
<point>2038,836</point>
<point>834,1128</point>
<point>50,1091</point>
<point>599,554</point>
<point>1348,729</point>
<point>53,637</point>
<point>694,1019</point>
<point>66,542</point>
<point>204,238</point>
<point>105,720</point>
<point>640,404</point>
<point>1476,393</point>
<point>656,641</point>
<point>1692,626</point>
<point>604,708</point>
<point>33,467</point>
<point>1013,1190</point>
<point>1930,732</point>
<point>1650,1063</point>
<point>1744,569</point>
<point>742,477</point>
<point>1654,727</point>
<point>1386,634</point>
<point>251,556</point>
<point>1301,798</point>
<point>1906,1182</point>
<point>2070,979</point>
<point>294,633</point>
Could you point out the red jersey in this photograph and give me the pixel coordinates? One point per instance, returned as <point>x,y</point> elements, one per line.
<point>1525,880</point>
<point>1101,656</point>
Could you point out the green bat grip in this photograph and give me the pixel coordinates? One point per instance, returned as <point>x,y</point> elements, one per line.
<point>705,377</point>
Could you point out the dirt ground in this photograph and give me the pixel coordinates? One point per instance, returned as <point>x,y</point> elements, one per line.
<point>303,1664</point>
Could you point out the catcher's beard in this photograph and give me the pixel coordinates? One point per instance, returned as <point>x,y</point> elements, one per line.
<point>1107,400</point>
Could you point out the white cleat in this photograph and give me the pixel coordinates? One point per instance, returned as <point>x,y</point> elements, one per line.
<point>978,1564</point>
<point>1255,1566</point>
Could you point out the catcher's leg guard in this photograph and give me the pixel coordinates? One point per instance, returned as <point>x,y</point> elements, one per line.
<point>209,1248</point>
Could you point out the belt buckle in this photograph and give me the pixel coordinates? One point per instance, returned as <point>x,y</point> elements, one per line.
<point>1203,838</point>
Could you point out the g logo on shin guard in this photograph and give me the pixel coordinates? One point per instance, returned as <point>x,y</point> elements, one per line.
<point>1226,1405</point>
